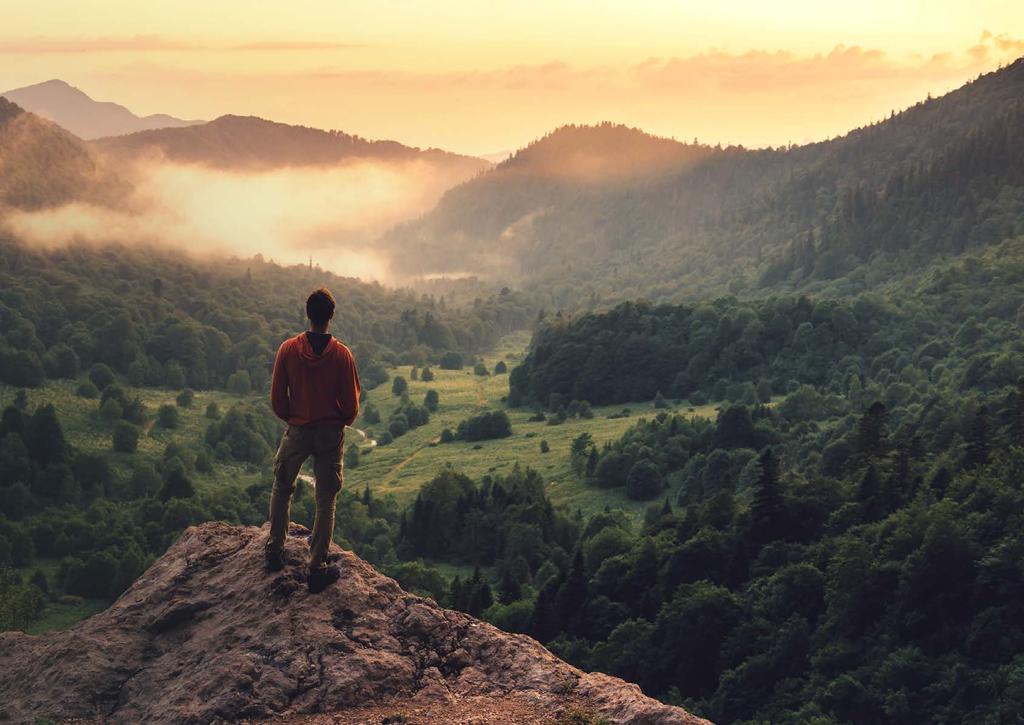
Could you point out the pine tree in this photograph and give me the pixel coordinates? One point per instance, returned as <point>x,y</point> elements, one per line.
<point>979,447</point>
<point>45,437</point>
<point>868,493</point>
<point>766,508</point>
<point>573,593</point>
<point>871,431</point>
<point>509,589</point>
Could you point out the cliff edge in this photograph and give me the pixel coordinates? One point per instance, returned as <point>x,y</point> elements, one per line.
<point>206,635</point>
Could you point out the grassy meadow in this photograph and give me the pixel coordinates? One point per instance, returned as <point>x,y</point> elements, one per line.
<point>411,460</point>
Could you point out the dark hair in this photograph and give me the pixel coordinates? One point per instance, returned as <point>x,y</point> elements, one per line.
<point>320,306</point>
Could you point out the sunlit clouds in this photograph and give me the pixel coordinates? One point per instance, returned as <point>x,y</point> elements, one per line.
<point>488,77</point>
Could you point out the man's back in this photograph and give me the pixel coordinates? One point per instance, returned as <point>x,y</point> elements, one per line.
<point>315,388</point>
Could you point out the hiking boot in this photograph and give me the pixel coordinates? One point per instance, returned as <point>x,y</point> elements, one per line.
<point>275,559</point>
<point>321,577</point>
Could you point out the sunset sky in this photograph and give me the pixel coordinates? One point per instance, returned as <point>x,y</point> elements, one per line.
<point>485,77</point>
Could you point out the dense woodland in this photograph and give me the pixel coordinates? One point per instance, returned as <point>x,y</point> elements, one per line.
<point>688,221</point>
<point>159,319</point>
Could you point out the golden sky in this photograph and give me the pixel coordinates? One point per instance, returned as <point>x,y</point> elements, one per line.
<point>483,77</point>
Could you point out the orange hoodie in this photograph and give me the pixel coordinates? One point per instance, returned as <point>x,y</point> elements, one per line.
<point>314,389</point>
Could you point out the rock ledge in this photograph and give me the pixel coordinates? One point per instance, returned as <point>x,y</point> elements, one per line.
<point>205,635</point>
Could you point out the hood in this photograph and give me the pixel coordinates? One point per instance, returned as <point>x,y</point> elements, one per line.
<point>309,357</point>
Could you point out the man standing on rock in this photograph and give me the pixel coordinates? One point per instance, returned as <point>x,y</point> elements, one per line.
<point>315,390</point>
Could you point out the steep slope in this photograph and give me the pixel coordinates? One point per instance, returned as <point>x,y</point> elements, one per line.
<point>249,142</point>
<point>206,635</point>
<point>43,165</point>
<point>705,220</point>
<point>72,109</point>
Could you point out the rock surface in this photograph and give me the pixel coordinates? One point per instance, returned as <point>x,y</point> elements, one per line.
<point>206,635</point>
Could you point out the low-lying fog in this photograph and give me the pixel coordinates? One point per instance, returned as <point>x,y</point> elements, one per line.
<point>289,214</point>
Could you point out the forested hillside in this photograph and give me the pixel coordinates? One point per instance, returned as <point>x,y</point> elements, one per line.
<point>43,165</point>
<point>937,178</point>
<point>160,318</point>
<point>842,543</point>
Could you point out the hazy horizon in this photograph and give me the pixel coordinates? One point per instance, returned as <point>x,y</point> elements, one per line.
<point>484,82</point>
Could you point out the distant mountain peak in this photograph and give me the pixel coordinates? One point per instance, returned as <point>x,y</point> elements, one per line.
<point>74,110</point>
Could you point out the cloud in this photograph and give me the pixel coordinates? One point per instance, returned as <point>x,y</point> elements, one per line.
<point>333,214</point>
<point>155,43</point>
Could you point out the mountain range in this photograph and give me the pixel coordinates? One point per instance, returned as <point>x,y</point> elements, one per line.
<point>663,219</point>
<point>75,111</point>
<point>619,214</point>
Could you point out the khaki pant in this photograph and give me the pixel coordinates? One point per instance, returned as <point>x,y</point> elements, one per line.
<point>325,444</point>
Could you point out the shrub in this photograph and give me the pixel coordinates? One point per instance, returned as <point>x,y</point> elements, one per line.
<point>501,368</point>
<point>111,410</point>
<point>480,369</point>
<point>204,463</point>
<point>352,456</point>
<point>399,386</point>
<point>212,411</point>
<point>168,417</point>
<point>125,437</point>
<point>485,426</point>
<point>447,436</point>
<point>101,375</point>
<point>451,361</point>
<point>370,414</point>
<point>398,425</point>
<point>184,398</point>
<point>644,481</point>
<point>426,375</point>
<point>88,390</point>
<point>239,383</point>
<point>431,400</point>
<point>544,447</point>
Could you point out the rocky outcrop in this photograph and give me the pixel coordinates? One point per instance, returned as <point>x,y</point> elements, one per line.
<point>206,635</point>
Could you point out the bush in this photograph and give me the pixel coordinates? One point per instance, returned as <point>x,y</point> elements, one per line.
<point>426,375</point>
<point>101,375</point>
<point>399,386</point>
<point>168,417</point>
<point>431,400</point>
<point>501,368</point>
<point>544,447</point>
<point>212,411</point>
<point>111,410</point>
<point>370,414</point>
<point>447,436</point>
<point>176,485</point>
<point>451,361</point>
<point>125,438</point>
<point>352,456</point>
<point>644,481</point>
<point>480,369</point>
<point>88,390</point>
<point>204,463</point>
<point>184,398</point>
<point>239,383</point>
<point>398,425</point>
<point>485,426</point>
